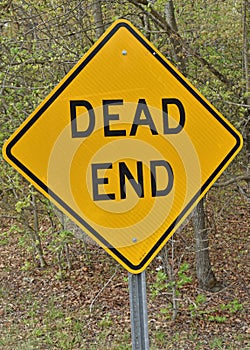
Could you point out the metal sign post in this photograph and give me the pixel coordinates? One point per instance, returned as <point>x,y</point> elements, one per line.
<point>138,311</point>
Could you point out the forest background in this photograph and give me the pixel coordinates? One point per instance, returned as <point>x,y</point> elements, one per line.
<point>57,289</point>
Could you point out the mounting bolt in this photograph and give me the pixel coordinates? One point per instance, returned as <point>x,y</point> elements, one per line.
<point>134,240</point>
<point>124,52</point>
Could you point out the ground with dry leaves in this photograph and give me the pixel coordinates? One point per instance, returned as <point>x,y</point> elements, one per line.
<point>89,308</point>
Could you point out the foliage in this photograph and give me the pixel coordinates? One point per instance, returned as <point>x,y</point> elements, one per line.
<point>38,310</point>
<point>162,282</point>
<point>171,285</point>
<point>198,309</point>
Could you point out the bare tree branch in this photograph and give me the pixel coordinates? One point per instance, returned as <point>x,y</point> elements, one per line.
<point>237,104</point>
<point>233,180</point>
<point>156,16</point>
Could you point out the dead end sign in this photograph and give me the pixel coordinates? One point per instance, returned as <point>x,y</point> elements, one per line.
<point>125,146</point>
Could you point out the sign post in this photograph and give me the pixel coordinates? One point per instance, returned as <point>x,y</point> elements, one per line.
<point>138,311</point>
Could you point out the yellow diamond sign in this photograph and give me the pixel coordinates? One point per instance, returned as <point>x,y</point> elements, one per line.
<point>125,146</point>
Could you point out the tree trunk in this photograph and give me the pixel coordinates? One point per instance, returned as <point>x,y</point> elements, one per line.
<point>35,234</point>
<point>178,49</point>
<point>205,275</point>
<point>98,19</point>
